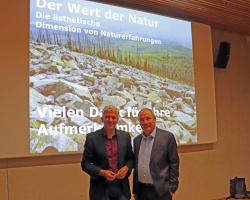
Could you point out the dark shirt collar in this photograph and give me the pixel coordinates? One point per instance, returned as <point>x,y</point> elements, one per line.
<point>104,134</point>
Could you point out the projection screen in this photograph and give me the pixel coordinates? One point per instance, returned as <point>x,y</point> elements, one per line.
<point>86,55</point>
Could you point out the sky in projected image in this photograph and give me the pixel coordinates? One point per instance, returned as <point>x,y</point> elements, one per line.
<point>86,55</point>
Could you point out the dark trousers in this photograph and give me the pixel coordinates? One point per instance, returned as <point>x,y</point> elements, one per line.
<point>114,191</point>
<point>148,192</point>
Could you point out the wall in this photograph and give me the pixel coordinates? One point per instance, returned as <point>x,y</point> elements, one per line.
<point>205,169</point>
<point>205,174</point>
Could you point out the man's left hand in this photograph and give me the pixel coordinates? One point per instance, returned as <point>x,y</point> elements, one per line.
<point>122,173</point>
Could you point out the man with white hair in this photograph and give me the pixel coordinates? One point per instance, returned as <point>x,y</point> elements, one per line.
<point>156,170</point>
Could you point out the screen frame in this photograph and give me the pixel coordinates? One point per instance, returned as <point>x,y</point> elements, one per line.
<point>17,70</point>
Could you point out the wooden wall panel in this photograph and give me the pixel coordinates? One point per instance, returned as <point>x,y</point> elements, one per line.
<point>3,184</point>
<point>62,182</point>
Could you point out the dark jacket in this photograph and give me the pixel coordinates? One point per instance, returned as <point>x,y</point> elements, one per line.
<point>95,158</point>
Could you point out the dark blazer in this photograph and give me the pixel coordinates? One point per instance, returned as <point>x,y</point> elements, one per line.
<point>95,158</point>
<point>164,162</point>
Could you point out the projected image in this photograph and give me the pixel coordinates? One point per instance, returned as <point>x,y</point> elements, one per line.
<point>86,55</point>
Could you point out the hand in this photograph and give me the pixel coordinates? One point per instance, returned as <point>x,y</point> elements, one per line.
<point>122,172</point>
<point>108,174</point>
<point>135,197</point>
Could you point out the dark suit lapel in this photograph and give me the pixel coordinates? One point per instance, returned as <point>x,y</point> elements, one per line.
<point>137,145</point>
<point>120,150</point>
<point>102,145</point>
<point>153,152</point>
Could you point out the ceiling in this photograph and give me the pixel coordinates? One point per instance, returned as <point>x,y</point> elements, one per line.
<point>230,15</point>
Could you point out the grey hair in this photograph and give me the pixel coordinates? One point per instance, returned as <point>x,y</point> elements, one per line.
<point>110,107</point>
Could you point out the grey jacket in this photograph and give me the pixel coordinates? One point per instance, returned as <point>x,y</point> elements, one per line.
<point>164,163</point>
